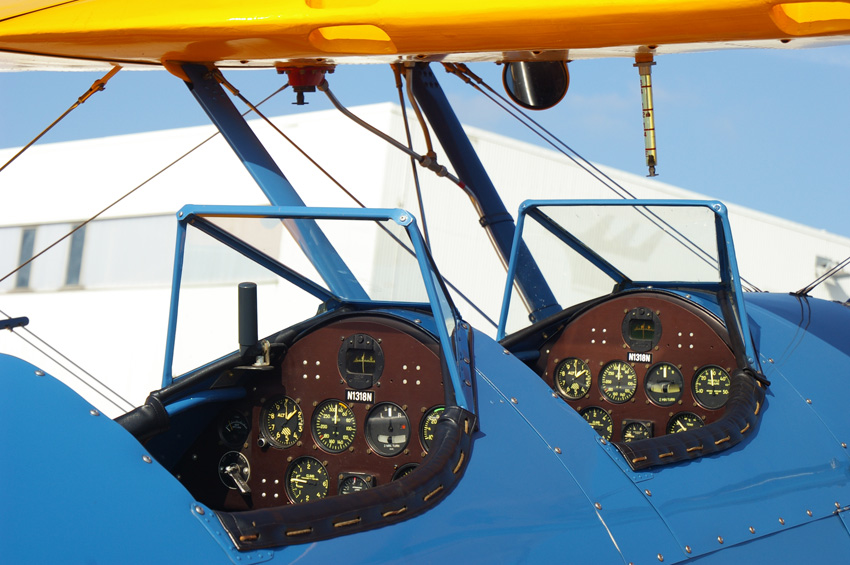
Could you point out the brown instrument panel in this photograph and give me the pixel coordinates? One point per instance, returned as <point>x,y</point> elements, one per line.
<point>684,336</point>
<point>311,373</point>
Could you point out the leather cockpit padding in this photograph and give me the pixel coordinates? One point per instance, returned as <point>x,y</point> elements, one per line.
<point>746,398</point>
<point>368,509</point>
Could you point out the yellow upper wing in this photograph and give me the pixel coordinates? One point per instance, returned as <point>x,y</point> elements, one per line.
<point>262,32</point>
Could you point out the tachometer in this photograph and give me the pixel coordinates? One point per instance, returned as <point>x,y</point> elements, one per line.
<point>711,387</point>
<point>334,426</point>
<point>282,422</point>
<point>387,429</point>
<point>599,420</point>
<point>572,378</point>
<point>684,421</point>
<point>306,480</point>
<point>664,384</point>
<point>618,381</point>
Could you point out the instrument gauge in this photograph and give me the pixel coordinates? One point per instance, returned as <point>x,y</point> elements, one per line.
<point>635,430</point>
<point>360,361</point>
<point>641,329</point>
<point>404,470</point>
<point>306,480</point>
<point>664,384</point>
<point>600,420</point>
<point>618,381</point>
<point>234,429</point>
<point>282,422</point>
<point>572,378</point>
<point>429,425</point>
<point>684,421</point>
<point>711,387</point>
<point>334,426</point>
<point>387,429</point>
<point>352,482</point>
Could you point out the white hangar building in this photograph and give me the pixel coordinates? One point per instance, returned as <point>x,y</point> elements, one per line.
<point>101,297</point>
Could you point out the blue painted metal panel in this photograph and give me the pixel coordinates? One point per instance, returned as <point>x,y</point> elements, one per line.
<point>84,492</point>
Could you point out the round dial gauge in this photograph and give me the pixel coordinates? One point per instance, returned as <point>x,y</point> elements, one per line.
<point>634,431</point>
<point>387,429</point>
<point>572,378</point>
<point>282,422</point>
<point>711,387</point>
<point>360,361</point>
<point>234,429</point>
<point>233,470</point>
<point>334,426</point>
<point>404,470</point>
<point>684,421</point>
<point>429,425</point>
<point>306,480</point>
<point>353,483</point>
<point>618,381</point>
<point>664,384</point>
<point>599,420</point>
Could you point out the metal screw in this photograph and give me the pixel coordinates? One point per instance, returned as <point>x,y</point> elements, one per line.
<point>770,360</point>
<point>199,510</point>
<point>752,530</point>
<point>402,218</point>
<point>809,512</point>
<point>514,400</point>
<point>782,521</point>
<point>39,373</point>
<point>720,539</point>
<point>506,352</point>
<point>94,412</point>
<point>660,557</point>
<point>146,458</point>
<point>648,492</point>
<point>687,549</point>
<point>558,450</point>
<point>844,445</point>
<point>808,401</point>
<point>597,506</point>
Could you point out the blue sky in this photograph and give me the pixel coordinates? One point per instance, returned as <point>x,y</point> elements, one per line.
<point>767,129</point>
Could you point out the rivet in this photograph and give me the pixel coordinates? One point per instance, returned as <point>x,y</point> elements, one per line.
<point>199,510</point>
<point>720,539</point>
<point>417,321</point>
<point>837,505</point>
<point>506,352</point>
<point>660,557</point>
<point>597,506</point>
<point>554,395</point>
<point>648,492</point>
<point>467,383</point>
<point>94,412</point>
<point>604,442</point>
<point>809,512</point>
<point>808,401</point>
<point>146,458</point>
<point>39,373</point>
<point>770,360</point>
<point>687,549</point>
<point>844,445</point>
<point>180,214</point>
<point>402,218</point>
<point>558,450</point>
<point>514,400</point>
<point>752,530</point>
<point>782,521</point>
<point>466,360</point>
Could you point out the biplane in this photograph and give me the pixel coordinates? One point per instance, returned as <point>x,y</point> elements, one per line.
<point>658,414</point>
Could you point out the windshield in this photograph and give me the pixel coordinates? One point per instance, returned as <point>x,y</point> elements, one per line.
<point>301,267</point>
<point>588,249</point>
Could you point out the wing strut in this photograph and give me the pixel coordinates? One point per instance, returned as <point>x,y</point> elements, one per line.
<point>277,188</point>
<point>644,63</point>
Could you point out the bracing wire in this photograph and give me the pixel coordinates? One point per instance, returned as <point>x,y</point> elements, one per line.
<point>829,273</point>
<point>476,82</point>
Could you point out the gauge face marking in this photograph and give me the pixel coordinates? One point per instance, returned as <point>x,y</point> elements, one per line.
<point>684,421</point>
<point>306,480</point>
<point>664,384</point>
<point>334,426</point>
<point>635,430</point>
<point>353,483</point>
<point>641,329</point>
<point>429,424</point>
<point>361,361</point>
<point>600,420</point>
<point>711,387</point>
<point>387,429</point>
<point>282,422</point>
<point>234,429</point>
<point>233,464</point>
<point>572,378</point>
<point>618,381</point>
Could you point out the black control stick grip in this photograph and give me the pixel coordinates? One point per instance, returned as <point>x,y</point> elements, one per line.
<point>247,316</point>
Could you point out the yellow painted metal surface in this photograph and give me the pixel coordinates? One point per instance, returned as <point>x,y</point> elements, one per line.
<point>261,32</point>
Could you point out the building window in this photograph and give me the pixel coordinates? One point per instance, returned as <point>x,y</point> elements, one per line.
<point>22,280</point>
<point>75,257</point>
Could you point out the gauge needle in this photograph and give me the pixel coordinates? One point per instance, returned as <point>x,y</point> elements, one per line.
<point>336,413</point>
<point>681,425</point>
<point>297,480</point>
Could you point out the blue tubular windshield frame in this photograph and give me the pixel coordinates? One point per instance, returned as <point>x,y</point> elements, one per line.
<point>268,176</point>
<point>730,280</point>
<point>443,310</point>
